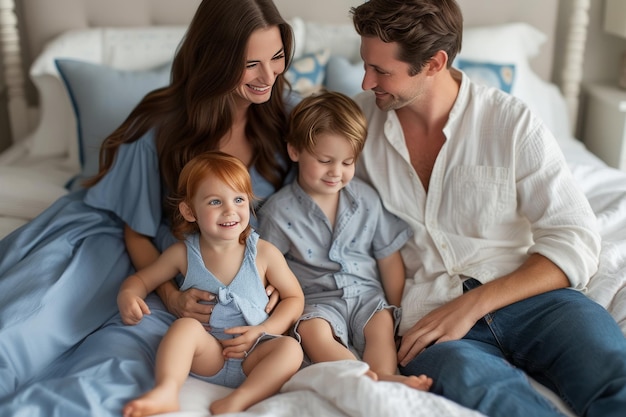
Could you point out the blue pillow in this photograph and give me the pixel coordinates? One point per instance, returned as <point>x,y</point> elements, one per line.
<point>306,73</point>
<point>499,76</point>
<point>344,76</point>
<point>102,98</point>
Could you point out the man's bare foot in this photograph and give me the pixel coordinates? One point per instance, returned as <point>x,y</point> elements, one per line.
<point>159,400</point>
<point>422,382</point>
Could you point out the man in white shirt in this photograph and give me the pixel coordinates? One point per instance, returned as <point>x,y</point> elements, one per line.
<point>503,239</point>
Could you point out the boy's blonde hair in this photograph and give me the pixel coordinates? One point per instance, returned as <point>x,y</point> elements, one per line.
<point>327,112</point>
<point>226,168</point>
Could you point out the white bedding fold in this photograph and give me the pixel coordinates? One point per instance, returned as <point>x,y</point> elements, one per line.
<point>330,389</point>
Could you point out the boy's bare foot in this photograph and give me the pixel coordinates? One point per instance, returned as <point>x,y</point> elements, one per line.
<point>161,399</point>
<point>422,382</point>
<point>372,374</point>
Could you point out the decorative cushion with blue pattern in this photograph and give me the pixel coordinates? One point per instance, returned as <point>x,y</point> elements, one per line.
<point>306,73</point>
<point>499,76</point>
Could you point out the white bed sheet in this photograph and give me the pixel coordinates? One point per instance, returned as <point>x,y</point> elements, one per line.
<point>314,392</point>
<point>28,185</point>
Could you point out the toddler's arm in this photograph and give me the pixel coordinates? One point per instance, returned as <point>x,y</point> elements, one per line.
<point>135,288</point>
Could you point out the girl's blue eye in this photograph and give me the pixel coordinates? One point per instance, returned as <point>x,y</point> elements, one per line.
<point>214,202</point>
<point>239,200</point>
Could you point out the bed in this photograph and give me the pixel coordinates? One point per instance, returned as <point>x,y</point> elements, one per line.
<point>124,47</point>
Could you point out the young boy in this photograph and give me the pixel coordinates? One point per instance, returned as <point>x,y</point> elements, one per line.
<point>339,241</point>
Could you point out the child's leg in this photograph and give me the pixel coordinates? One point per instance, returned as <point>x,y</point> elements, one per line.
<point>380,352</point>
<point>319,342</point>
<point>186,346</point>
<point>267,367</point>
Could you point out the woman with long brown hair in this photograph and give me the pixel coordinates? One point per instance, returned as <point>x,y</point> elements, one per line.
<point>59,274</point>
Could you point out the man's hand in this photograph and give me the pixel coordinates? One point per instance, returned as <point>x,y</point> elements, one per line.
<point>451,321</point>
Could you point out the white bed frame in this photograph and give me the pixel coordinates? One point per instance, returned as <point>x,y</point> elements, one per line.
<point>41,20</point>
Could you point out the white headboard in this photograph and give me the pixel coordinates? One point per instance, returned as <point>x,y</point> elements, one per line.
<point>41,20</point>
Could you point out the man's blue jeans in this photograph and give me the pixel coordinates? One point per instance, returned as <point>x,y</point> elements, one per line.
<point>561,338</point>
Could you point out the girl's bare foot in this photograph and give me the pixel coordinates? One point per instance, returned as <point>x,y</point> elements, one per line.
<point>234,402</point>
<point>161,399</point>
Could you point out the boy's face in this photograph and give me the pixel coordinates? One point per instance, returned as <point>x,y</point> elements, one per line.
<point>328,168</point>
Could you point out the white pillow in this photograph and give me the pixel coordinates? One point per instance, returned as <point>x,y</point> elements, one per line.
<point>341,39</point>
<point>511,43</point>
<point>299,35</point>
<point>137,49</point>
<point>516,43</point>
<point>508,42</point>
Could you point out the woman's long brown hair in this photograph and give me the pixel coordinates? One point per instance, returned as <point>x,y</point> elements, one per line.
<point>196,110</point>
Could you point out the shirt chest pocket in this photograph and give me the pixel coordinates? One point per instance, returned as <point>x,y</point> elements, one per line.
<point>483,196</point>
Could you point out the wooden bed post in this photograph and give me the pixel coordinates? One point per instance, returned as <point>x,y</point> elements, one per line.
<point>13,78</point>
<point>572,72</point>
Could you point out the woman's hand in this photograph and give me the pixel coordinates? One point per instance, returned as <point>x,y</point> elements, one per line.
<point>190,303</point>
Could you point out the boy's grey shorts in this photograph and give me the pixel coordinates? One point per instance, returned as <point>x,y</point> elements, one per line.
<point>348,316</point>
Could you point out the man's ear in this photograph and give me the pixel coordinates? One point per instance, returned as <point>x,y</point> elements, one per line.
<point>186,212</point>
<point>438,62</point>
<point>294,155</point>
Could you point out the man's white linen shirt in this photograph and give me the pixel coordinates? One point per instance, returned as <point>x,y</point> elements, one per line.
<point>500,190</point>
